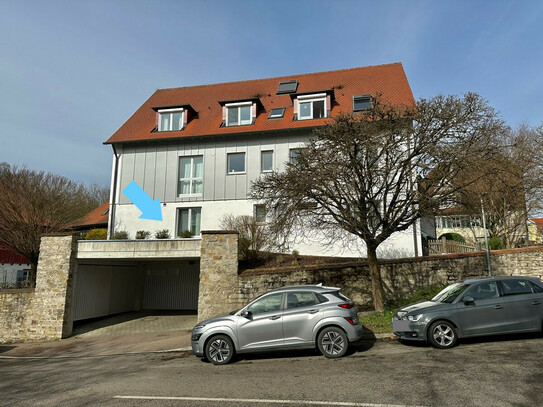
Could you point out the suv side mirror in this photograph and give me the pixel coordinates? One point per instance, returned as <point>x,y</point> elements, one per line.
<point>468,300</point>
<point>246,314</point>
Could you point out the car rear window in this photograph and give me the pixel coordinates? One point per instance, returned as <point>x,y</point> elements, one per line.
<point>339,296</point>
<point>537,288</point>
<point>516,287</point>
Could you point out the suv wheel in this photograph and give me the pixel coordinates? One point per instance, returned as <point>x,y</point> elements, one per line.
<point>332,342</point>
<point>219,350</point>
<point>442,335</point>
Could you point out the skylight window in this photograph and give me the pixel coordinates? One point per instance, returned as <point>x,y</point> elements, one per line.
<point>362,102</point>
<point>287,87</point>
<point>277,113</point>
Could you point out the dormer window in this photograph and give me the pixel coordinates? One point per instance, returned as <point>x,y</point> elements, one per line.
<point>312,106</point>
<point>170,119</point>
<point>238,114</point>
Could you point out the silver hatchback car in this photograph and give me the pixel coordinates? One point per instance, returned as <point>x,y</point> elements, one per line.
<point>296,317</point>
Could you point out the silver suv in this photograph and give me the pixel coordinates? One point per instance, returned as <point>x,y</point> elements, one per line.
<point>296,317</point>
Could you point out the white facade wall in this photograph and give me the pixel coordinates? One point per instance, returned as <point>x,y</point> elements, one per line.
<point>8,272</point>
<point>155,167</point>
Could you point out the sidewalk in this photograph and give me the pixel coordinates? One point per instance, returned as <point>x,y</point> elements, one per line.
<point>101,345</point>
<point>134,332</point>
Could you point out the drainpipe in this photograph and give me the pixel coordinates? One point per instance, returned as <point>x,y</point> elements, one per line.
<point>113,194</point>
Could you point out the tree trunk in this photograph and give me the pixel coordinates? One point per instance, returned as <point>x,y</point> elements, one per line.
<point>33,272</point>
<point>376,280</point>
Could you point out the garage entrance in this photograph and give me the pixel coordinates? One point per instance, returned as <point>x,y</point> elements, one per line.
<point>104,288</point>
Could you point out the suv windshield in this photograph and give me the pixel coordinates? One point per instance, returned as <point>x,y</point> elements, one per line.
<point>449,294</point>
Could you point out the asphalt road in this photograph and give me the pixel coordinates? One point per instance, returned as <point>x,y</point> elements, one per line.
<point>505,371</point>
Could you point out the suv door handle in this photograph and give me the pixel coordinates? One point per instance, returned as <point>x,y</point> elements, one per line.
<point>313,311</point>
<point>535,303</point>
<point>498,307</point>
<point>275,317</point>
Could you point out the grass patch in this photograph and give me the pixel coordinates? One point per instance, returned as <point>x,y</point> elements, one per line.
<point>381,322</point>
<point>377,322</point>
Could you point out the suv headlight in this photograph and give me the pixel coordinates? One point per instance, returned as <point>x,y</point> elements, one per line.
<point>414,318</point>
<point>199,326</point>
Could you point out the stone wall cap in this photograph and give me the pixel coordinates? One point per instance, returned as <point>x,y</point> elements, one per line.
<point>219,232</point>
<point>58,234</point>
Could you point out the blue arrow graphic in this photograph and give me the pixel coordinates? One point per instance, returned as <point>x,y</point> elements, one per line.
<point>150,209</point>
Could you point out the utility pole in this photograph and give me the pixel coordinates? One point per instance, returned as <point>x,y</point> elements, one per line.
<point>488,266</point>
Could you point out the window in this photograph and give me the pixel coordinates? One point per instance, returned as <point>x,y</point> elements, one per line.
<point>516,287</point>
<point>361,102</point>
<point>191,171</point>
<point>297,300</point>
<point>23,275</point>
<point>266,161</point>
<point>238,114</point>
<point>269,303</point>
<point>189,219</point>
<point>293,154</point>
<point>277,113</point>
<point>311,107</point>
<point>260,213</point>
<point>170,119</point>
<point>287,87</point>
<point>236,163</point>
<point>483,291</point>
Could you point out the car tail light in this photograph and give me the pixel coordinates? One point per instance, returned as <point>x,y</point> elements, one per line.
<point>352,321</point>
<point>347,306</point>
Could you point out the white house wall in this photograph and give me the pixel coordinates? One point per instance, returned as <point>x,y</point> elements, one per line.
<point>8,272</point>
<point>156,169</point>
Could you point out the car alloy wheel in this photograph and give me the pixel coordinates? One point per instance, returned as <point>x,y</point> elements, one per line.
<point>332,342</point>
<point>442,335</point>
<point>219,350</point>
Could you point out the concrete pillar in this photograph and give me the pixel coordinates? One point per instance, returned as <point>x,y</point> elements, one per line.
<point>218,274</point>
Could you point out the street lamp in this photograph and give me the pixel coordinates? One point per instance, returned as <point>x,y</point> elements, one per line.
<point>488,266</point>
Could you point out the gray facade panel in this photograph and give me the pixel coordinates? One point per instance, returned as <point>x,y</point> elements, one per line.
<point>156,168</point>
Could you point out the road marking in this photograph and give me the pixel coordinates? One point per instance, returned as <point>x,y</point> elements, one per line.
<point>307,402</point>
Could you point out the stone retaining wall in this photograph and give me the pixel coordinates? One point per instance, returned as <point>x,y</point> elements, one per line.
<point>226,290</point>
<point>43,313</point>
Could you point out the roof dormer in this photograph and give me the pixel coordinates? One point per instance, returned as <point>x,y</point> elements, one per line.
<point>239,112</point>
<point>172,118</point>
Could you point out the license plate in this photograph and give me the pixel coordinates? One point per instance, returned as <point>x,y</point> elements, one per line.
<point>400,326</point>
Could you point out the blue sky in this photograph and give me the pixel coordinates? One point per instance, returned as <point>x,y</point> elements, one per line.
<point>72,72</point>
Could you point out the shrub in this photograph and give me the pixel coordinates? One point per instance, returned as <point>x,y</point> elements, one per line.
<point>456,237</point>
<point>423,294</point>
<point>96,234</point>
<point>495,243</point>
<point>295,254</point>
<point>120,235</point>
<point>162,234</point>
<point>143,234</point>
<point>253,235</point>
<point>186,234</point>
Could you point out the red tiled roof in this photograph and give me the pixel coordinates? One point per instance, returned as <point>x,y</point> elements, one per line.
<point>8,256</point>
<point>388,80</point>
<point>97,217</point>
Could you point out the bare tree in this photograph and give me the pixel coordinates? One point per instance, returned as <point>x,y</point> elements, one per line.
<point>253,236</point>
<point>36,202</point>
<point>372,174</point>
<point>512,189</point>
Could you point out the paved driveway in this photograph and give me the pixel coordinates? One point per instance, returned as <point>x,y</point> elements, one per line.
<point>494,372</point>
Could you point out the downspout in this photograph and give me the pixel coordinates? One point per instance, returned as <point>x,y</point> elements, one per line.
<point>113,194</point>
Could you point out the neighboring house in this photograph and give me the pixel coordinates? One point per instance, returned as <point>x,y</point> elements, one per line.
<point>535,230</point>
<point>14,268</point>
<point>198,148</point>
<point>96,219</point>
